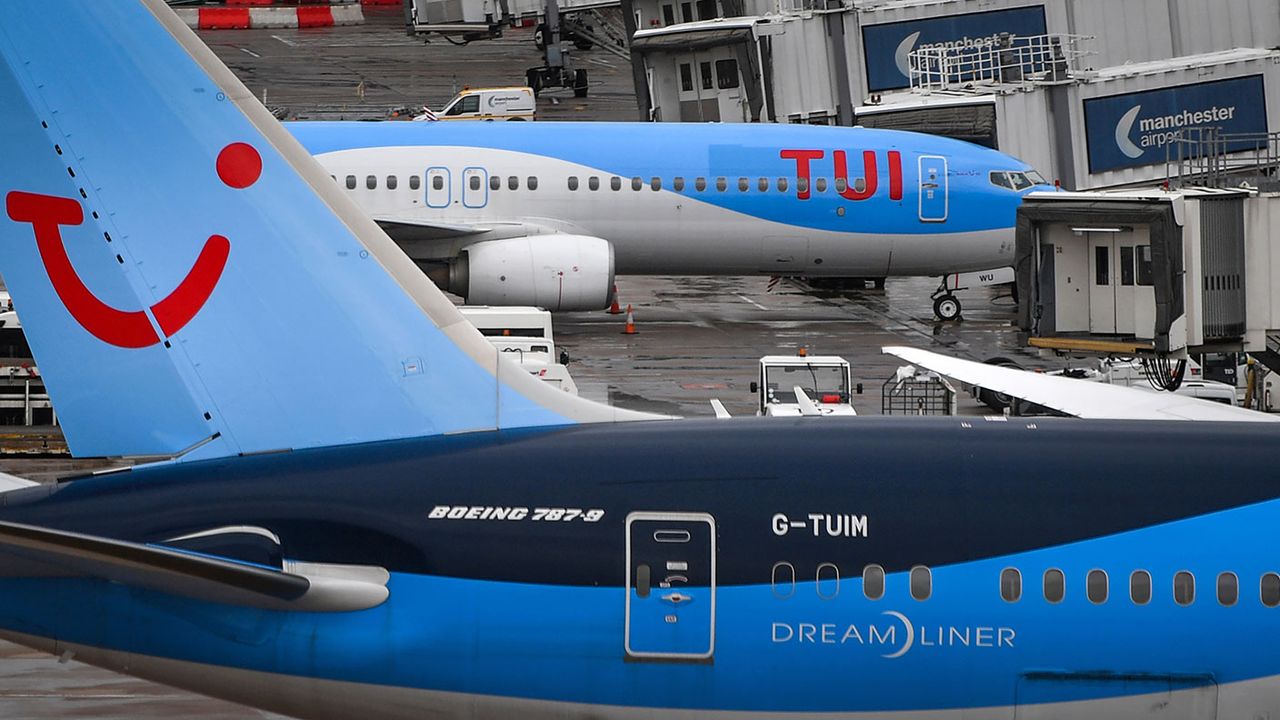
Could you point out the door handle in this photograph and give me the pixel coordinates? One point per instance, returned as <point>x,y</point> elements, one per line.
<point>676,598</point>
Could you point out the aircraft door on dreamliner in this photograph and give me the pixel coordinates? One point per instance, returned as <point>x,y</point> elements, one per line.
<point>439,193</point>
<point>475,187</point>
<point>933,188</point>
<point>671,586</point>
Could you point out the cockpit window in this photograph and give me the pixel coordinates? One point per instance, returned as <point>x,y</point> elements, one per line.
<point>1016,180</point>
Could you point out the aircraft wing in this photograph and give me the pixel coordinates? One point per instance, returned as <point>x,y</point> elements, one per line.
<point>1077,397</point>
<point>315,588</point>
<point>403,227</point>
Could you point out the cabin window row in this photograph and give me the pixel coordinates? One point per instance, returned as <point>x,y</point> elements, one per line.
<point>1054,585</point>
<point>593,183</point>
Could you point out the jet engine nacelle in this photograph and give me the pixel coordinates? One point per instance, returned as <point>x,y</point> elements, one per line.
<point>553,272</point>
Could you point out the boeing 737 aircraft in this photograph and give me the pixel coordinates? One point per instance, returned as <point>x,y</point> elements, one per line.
<point>545,213</point>
<point>446,537</point>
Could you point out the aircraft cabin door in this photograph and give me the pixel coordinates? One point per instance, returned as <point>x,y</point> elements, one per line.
<point>475,187</point>
<point>439,194</point>
<point>671,587</point>
<point>933,188</point>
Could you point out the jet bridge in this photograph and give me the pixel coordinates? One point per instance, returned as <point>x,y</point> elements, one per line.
<point>1157,274</point>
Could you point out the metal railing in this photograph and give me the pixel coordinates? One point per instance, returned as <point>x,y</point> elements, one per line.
<point>1209,157</point>
<point>1002,61</point>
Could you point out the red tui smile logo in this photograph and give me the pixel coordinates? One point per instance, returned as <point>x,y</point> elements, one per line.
<point>238,165</point>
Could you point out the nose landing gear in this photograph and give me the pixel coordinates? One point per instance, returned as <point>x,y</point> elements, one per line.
<point>945,305</point>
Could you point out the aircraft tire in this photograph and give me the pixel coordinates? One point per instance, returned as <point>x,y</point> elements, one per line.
<point>947,307</point>
<point>995,400</point>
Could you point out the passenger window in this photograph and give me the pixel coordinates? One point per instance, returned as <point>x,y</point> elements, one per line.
<point>415,182</point>
<point>841,184</point>
<point>637,183</point>
<point>495,182</point>
<point>1055,585</point>
<point>474,182</point>
<point>828,581</point>
<point>700,184</point>
<point>784,580</point>
<point>593,183</point>
<point>351,182</point>
<point>722,184</point>
<point>437,182</point>
<point>677,184</point>
<point>391,182</point>
<point>1010,585</point>
<point>1184,588</point>
<point>802,185</point>
<point>743,184</point>
<point>921,582</point>
<point>1095,586</point>
<point>820,184</point>
<point>573,182</point>
<point>513,183</point>
<point>781,185</point>
<point>763,184</point>
<point>371,182</point>
<point>655,183</point>
<point>1228,589</point>
<point>615,183</point>
<point>1269,588</point>
<point>1140,587</point>
<point>873,582</point>
<point>532,182</point>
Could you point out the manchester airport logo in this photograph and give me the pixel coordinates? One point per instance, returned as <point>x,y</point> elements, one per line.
<point>1160,130</point>
<point>893,635</point>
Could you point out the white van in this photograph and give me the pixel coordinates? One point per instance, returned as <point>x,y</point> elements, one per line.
<point>508,103</point>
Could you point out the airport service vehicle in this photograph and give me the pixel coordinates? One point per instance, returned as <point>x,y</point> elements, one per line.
<point>525,335</point>
<point>449,537</point>
<point>792,385</point>
<point>547,213</point>
<point>503,103</point>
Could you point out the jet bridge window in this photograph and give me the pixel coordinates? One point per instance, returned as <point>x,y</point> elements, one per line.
<point>1010,585</point>
<point>1184,588</point>
<point>495,182</point>
<point>351,182</point>
<point>686,12</point>
<point>668,15</point>
<point>371,182</point>
<point>1228,589</point>
<point>705,70</point>
<point>1269,588</point>
<point>677,184</point>
<point>1055,585</point>
<point>873,582</point>
<point>722,184</point>
<point>593,183</point>
<point>1102,265</point>
<point>415,182</point>
<point>686,77</point>
<point>1144,265</point>
<point>727,74</point>
<point>1140,587</point>
<point>392,182</point>
<point>573,182</point>
<point>1095,586</point>
<point>513,183</point>
<point>921,583</point>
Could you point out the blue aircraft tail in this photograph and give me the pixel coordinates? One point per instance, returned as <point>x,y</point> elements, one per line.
<point>188,276</point>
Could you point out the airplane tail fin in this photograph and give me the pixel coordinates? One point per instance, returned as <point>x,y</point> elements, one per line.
<point>188,276</point>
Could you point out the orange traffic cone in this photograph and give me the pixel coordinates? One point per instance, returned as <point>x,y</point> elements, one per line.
<point>614,309</point>
<point>630,329</point>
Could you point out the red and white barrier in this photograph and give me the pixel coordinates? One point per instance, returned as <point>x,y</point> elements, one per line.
<point>294,16</point>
